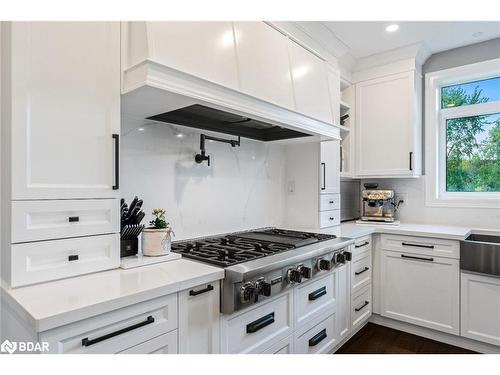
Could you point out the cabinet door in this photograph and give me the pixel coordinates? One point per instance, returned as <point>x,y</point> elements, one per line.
<point>334,90</point>
<point>202,49</point>
<point>65,109</point>
<point>386,124</point>
<point>263,63</point>
<point>480,309</point>
<point>330,167</point>
<point>310,83</point>
<point>420,290</point>
<point>164,344</point>
<point>199,316</point>
<point>342,275</point>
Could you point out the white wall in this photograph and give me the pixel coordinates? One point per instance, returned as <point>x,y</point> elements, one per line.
<point>244,187</point>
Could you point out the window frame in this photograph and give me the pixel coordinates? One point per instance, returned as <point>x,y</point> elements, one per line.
<point>435,133</point>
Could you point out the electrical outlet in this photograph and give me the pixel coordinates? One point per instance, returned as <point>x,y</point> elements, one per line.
<point>291,187</point>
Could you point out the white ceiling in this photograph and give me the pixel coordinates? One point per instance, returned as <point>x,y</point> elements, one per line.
<point>364,38</point>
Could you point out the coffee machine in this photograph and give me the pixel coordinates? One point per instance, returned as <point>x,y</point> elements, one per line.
<point>378,205</point>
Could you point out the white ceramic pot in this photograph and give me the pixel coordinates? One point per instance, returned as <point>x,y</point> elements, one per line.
<point>156,242</point>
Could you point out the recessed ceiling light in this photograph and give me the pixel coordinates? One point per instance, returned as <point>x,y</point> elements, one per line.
<point>392,28</point>
<point>477,34</point>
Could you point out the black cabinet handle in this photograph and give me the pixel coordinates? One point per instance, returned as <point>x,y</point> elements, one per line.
<point>201,291</point>
<point>362,306</point>
<point>331,218</point>
<point>411,157</point>
<point>260,323</point>
<point>116,138</point>
<point>71,258</point>
<point>74,219</point>
<point>417,245</point>
<point>417,258</point>
<point>362,244</point>
<point>316,339</point>
<point>324,176</point>
<point>87,342</point>
<point>362,271</point>
<point>331,202</point>
<point>317,293</point>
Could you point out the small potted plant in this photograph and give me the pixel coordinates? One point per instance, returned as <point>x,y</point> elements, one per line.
<point>157,239</point>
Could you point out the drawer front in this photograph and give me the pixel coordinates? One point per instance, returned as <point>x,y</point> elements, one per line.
<point>163,344</point>
<point>53,219</point>
<point>314,299</point>
<point>329,218</point>
<point>254,330</point>
<point>329,202</point>
<point>118,330</point>
<point>283,347</point>
<point>361,307</point>
<point>421,245</point>
<point>361,273</point>
<point>362,246</point>
<point>36,262</point>
<point>319,339</point>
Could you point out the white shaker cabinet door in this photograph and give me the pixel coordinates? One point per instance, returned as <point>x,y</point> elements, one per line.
<point>65,109</point>
<point>263,63</point>
<point>388,126</point>
<point>312,96</point>
<point>343,315</point>
<point>202,49</point>
<point>330,167</point>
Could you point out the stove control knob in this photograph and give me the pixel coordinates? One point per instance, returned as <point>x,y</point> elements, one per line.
<point>339,258</point>
<point>323,265</point>
<point>247,292</point>
<point>304,271</point>
<point>293,276</point>
<point>263,288</point>
<point>348,255</point>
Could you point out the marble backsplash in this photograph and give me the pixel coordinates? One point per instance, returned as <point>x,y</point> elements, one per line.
<point>242,189</point>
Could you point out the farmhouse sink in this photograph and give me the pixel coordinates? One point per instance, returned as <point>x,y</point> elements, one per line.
<point>480,254</point>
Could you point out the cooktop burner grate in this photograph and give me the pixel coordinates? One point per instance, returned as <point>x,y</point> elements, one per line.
<point>227,250</point>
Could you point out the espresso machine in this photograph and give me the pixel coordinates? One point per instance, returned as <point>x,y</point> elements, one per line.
<point>378,205</point>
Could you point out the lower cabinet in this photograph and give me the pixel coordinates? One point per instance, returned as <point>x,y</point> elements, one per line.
<point>163,344</point>
<point>199,319</point>
<point>283,347</point>
<point>343,300</point>
<point>316,337</point>
<point>480,309</point>
<point>420,289</point>
<point>361,307</point>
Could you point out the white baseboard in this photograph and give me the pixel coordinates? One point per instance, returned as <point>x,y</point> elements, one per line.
<point>446,338</point>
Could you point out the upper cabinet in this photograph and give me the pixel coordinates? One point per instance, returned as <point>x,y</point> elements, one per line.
<point>388,126</point>
<point>202,49</point>
<point>62,107</point>
<point>312,96</point>
<point>263,63</point>
<point>334,91</point>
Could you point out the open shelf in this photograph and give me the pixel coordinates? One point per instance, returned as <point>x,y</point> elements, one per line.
<point>344,107</point>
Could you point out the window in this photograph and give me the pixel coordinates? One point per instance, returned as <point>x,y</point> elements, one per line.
<point>463,136</point>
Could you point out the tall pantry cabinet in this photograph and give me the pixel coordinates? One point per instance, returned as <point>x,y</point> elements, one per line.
<point>60,141</point>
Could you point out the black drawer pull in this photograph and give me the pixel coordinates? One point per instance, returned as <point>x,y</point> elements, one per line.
<point>316,339</point>
<point>362,244</point>
<point>201,291</point>
<point>417,258</point>
<point>87,342</point>
<point>260,323</point>
<point>331,202</point>
<point>71,258</point>
<point>331,218</point>
<point>362,271</point>
<point>362,306</point>
<point>317,293</point>
<point>74,219</point>
<point>324,176</point>
<point>417,245</point>
<point>116,139</point>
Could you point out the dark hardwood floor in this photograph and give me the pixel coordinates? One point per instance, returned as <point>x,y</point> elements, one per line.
<point>376,339</point>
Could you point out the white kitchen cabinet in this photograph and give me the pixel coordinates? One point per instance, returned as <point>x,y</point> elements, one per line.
<point>283,347</point>
<point>317,337</point>
<point>361,307</point>
<point>199,319</point>
<point>330,167</point>
<point>333,77</point>
<point>342,277</point>
<point>64,108</point>
<point>361,272</point>
<point>388,126</point>
<point>310,83</point>
<point>163,344</point>
<point>480,307</point>
<point>202,49</point>
<point>420,289</point>
<point>263,64</point>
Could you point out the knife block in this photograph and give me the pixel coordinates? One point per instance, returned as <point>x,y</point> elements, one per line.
<point>129,247</point>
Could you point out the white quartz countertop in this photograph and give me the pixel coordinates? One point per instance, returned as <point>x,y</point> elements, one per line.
<point>353,230</point>
<point>49,305</point>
